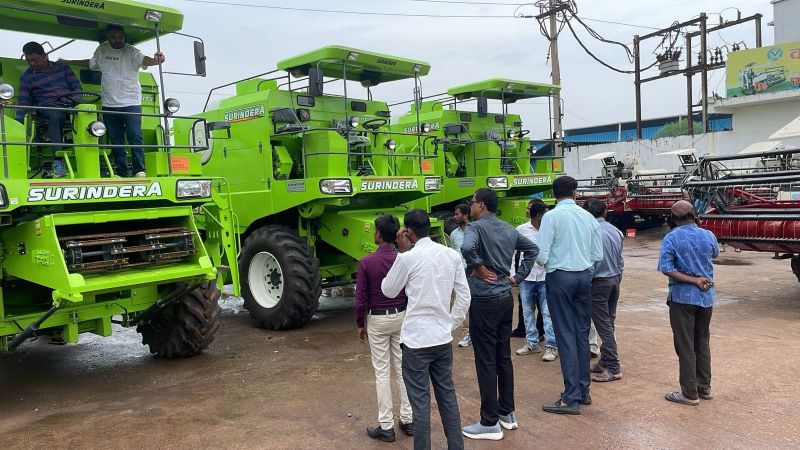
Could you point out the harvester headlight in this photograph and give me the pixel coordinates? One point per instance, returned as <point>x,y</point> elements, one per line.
<point>417,68</point>
<point>172,105</point>
<point>193,189</point>
<point>354,122</point>
<point>3,197</point>
<point>425,127</point>
<point>352,56</point>
<point>512,134</point>
<point>497,182</point>
<point>6,91</point>
<point>433,184</point>
<point>152,16</point>
<point>391,144</point>
<point>334,186</point>
<point>97,128</point>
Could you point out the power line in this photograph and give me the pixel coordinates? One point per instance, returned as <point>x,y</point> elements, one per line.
<point>468,3</point>
<point>362,13</point>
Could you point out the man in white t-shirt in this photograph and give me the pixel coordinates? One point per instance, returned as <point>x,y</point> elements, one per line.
<point>121,92</point>
<point>533,293</point>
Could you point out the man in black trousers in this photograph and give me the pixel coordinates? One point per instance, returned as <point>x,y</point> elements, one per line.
<point>489,245</point>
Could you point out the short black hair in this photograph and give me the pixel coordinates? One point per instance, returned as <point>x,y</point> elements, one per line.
<point>596,207</point>
<point>419,222</point>
<point>33,48</point>
<point>112,27</point>
<point>537,207</point>
<point>463,208</point>
<point>564,186</point>
<point>387,226</point>
<point>488,197</point>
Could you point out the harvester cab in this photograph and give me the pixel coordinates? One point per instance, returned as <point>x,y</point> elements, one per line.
<point>311,167</point>
<point>82,247</point>
<point>477,148</point>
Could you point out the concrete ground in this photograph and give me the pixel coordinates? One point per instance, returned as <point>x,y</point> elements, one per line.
<point>314,387</point>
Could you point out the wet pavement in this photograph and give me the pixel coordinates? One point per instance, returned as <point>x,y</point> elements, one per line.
<point>314,387</point>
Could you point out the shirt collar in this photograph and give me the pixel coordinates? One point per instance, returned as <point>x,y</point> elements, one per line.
<point>50,66</point>
<point>601,220</point>
<point>383,248</point>
<point>487,215</point>
<point>566,201</point>
<point>423,242</point>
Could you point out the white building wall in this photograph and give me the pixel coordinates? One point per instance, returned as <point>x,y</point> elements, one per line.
<point>754,120</point>
<point>787,14</point>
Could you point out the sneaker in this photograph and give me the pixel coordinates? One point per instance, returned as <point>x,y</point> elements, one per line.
<point>550,354</point>
<point>381,434</point>
<point>527,349</point>
<point>509,421</point>
<point>140,174</point>
<point>465,340</point>
<point>478,431</point>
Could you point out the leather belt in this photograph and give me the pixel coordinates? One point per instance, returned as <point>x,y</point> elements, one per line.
<point>386,312</point>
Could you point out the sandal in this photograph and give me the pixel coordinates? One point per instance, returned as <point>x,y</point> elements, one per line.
<point>606,376</point>
<point>677,397</point>
<point>596,368</point>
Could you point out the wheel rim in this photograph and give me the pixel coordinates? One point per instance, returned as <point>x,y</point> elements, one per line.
<point>265,279</point>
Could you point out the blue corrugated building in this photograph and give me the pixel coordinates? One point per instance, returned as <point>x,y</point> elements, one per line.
<point>621,132</point>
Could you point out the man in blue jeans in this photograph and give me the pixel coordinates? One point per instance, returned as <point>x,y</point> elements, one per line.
<point>569,244</point>
<point>532,291</point>
<point>121,92</point>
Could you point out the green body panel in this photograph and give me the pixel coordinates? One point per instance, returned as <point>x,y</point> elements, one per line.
<point>361,65</point>
<point>40,213</point>
<point>86,19</point>
<point>503,88</point>
<point>476,151</point>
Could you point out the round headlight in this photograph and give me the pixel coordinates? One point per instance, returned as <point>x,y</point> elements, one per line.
<point>353,122</point>
<point>172,105</point>
<point>425,127</point>
<point>511,134</point>
<point>96,128</point>
<point>6,91</point>
<point>391,144</point>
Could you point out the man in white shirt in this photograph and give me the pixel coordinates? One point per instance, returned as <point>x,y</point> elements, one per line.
<point>532,291</point>
<point>461,217</point>
<point>429,273</point>
<point>119,63</point>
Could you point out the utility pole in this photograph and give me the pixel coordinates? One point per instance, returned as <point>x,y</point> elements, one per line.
<point>556,76</point>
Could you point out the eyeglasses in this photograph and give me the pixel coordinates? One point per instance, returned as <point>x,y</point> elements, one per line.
<point>472,202</point>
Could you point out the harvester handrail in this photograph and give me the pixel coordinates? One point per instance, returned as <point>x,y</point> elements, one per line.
<point>744,181</point>
<point>786,151</point>
<point>205,106</point>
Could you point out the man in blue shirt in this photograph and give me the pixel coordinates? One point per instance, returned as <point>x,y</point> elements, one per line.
<point>605,293</point>
<point>461,218</point>
<point>686,258</point>
<point>569,245</point>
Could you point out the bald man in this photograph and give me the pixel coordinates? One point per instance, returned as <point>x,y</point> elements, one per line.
<point>686,258</point>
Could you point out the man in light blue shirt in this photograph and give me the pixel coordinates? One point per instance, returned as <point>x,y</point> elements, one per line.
<point>461,217</point>
<point>569,244</point>
<point>605,293</point>
<point>686,258</point>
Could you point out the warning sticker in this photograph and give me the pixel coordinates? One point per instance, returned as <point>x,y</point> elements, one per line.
<point>179,163</point>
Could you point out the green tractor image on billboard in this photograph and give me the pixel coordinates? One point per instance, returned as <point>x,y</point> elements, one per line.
<point>85,250</point>
<point>310,168</point>
<point>475,148</point>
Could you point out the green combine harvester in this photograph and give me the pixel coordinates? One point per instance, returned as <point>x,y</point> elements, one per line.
<point>309,172</point>
<point>476,148</point>
<point>86,250</point>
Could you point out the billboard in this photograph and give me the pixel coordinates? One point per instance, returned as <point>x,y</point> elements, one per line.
<point>765,69</point>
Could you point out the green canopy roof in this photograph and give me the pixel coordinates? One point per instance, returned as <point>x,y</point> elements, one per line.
<point>361,65</point>
<point>502,88</point>
<point>86,19</point>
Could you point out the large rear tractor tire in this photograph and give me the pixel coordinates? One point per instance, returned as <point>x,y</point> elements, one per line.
<point>281,282</point>
<point>188,327</point>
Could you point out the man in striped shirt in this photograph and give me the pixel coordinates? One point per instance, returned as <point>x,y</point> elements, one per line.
<point>44,83</point>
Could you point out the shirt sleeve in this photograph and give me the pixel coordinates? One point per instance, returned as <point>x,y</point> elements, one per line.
<point>469,249</point>
<point>620,259</point>
<point>461,305</point>
<point>714,245</point>
<point>72,81</point>
<point>546,237</point>
<point>529,252</point>
<point>397,277</point>
<point>24,98</point>
<point>94,63</point>
<point>137,57</point>
<point>362,289</point>
<point>666,256</point>
<point>596,252</point>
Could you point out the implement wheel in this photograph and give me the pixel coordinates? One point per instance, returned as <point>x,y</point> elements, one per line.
<point>188,327</point>
<point>281,282</point>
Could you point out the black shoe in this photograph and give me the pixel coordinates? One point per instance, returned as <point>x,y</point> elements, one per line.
<point>381,434</point>
<point>518,333</point>
<point>557,408</point>
<point>586,400</point>
<point>407,428</point>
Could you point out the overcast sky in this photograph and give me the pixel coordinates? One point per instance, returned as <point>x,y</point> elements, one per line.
<point>244,41</point>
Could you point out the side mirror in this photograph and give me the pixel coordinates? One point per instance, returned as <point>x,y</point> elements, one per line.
<point>199,58</point>
<point>483,106</point>
<point>315,82</point>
